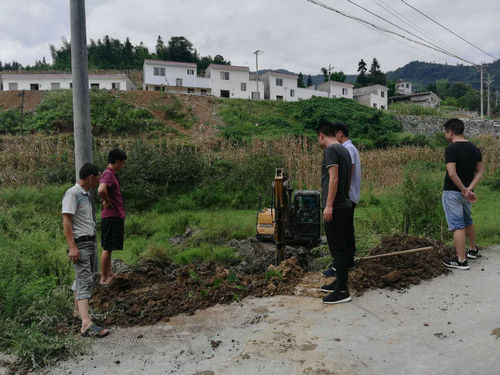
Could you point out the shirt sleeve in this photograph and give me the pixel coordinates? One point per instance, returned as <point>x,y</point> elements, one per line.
<point>450,155</point>
<point>479,156</point>
<point>331,157</point>
<point>353,155</point>
<point>69,203</point>
<point>107,178</point>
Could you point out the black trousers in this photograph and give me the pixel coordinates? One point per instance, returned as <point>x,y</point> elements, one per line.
<point>352,239</point>
<point>339,233</point>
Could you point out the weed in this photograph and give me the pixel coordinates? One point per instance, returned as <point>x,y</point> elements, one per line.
<point>232,277</point>
<point>272,273</point>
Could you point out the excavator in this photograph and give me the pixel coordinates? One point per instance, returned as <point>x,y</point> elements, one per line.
<point>294,216</point>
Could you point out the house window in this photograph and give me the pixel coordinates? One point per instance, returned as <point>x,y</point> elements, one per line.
<point>225,94</point>
<point>382,94</point>
<point>407,85</point>
<point>382,107</point>
<point>55,85</point>
<point>12,85</point>
<point>190,72</point>
<point>94,86</point>
<point>34,86</point>
<point>344,91</point>
<point>292,93</point>
<point>374,105</point>
<point>178,82</point>
<point>203,92</point>
<point>115,85</point>
<point>159,71</point>
<point>190,91</point>
<point>255,95</point>
<point>279,81</point>
<point>243,86</point>
<point>224,76</point>
<point>279,97</point>
<point>71,85</point>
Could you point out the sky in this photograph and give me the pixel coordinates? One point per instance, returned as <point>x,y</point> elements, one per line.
<point>293,34</point>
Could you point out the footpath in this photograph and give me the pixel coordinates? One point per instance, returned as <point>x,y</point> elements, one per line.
<point>449,325</point>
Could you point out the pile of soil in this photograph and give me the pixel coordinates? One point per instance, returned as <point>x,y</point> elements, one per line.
<point>400,271</point>
<point>149,294</point>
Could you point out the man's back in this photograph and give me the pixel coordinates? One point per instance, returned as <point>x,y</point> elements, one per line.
<point>466,156</point>
<point>336,154</point>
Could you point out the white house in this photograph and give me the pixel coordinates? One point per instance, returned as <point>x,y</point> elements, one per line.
<point>337,89</point>
<point>309,92</point>
<point>403,87</point>
<point>280,86</point>
<point>174,76</point>
<point>424,99</point>
<point>64,81</point>
<point>372,96</point>
<point>231,81</point>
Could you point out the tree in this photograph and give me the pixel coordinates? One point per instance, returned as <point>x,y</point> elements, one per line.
<point>309,80</point>
<point>300,80</point>
<point>325,73</point>
<point>181,49</point>
<point>161,50</point>
<point>361,79</point>
<point>337,76</point>
<point>376,76</point>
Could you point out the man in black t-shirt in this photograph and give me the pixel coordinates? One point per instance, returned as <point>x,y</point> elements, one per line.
<point>464,169</point>
<point>337,209</point>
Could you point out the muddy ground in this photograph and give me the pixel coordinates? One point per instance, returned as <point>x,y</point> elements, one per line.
<point>154,292</point>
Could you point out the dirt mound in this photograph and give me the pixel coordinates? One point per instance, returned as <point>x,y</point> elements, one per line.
<point>11,100</point>
<point>148,294</point>
<point>400,271</point>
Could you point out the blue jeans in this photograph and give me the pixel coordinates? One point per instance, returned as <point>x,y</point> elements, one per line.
<point>456,210</point>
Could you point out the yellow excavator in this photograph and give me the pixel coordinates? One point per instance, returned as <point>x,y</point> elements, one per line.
<point>294,217</point>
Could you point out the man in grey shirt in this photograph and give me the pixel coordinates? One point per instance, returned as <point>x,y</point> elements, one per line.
<point>342,135</point>
<point>79,230</point>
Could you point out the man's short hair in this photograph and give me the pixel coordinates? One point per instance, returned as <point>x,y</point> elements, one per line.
<point>455,125</point>
<point>326,128</point>
<point>340,126</point>
<point>87,170</point>
<point>115,155</point>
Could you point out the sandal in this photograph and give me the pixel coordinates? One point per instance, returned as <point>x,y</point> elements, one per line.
<point>95,331</point>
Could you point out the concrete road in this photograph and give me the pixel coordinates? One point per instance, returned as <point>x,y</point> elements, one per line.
<point>450,325</point>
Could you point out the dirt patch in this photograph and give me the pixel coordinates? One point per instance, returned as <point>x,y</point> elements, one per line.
<point>496,332</point>
<point>395,272</point>
<point>148,295</point>
<point>10,100</point>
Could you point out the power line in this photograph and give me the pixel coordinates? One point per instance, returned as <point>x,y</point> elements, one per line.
<point>401,28</point>
<point>413,25</point>
<point>444,27</point>
<point>359,20</point>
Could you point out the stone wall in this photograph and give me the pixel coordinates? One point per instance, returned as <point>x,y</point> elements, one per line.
<point>430,125</point>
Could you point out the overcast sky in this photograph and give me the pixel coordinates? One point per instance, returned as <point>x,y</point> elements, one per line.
<point>294,34</point>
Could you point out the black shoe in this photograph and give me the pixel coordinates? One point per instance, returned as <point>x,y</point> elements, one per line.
<point>329,288</point>
<point>337,297</point>
<point>455,263</point>
<point>473,253</point>
<point>331,271</point>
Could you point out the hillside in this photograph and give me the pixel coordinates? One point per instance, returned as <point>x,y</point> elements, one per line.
<point>423,73</point>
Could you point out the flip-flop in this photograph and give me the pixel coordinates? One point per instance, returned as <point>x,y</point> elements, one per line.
<point>95,331</point>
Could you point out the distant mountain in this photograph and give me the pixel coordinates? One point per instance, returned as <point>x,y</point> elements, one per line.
<point>422,73</point>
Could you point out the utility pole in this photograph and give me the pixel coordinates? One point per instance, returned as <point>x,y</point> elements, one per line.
<point>481,69</point>
<point>21,94</point>
<point>81,100</point>
<point>257,69</point>
<point>330,68</point>
<point>489,81</point>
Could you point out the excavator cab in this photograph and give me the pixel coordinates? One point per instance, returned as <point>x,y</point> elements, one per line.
<point>306,218</point>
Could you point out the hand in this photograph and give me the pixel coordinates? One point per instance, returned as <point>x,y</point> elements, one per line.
<point>74,254</point>
<point>327,214</point>
<point>107,205</point>
<point>471,197</point>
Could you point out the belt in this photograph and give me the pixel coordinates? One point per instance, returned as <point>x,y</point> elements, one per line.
<point>85,238</point>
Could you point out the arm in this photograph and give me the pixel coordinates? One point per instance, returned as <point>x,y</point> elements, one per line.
<point>103,193</point>
<point>451,168</point>
<point>333,172</point>
<point>478,174</point>
<point>74,253</point>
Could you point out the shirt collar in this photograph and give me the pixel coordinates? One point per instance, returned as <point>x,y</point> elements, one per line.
<point>348,142</point>
<point>82,190</point>
<point>111,169</point>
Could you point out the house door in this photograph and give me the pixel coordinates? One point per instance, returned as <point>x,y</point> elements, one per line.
<point>225,94</point>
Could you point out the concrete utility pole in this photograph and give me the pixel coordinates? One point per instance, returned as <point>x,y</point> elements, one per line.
<point>330,68</point>
<point>257,53</point>
<point>81,99</point>
<point>481,69</point>
<point>489,81</point>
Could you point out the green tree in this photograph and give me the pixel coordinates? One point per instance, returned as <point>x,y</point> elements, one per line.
<point>161,50</point>
<point>362,79</point>
<point>300,80</point>
<point>376,76</point>
<point>309,80</point>
<point>181,49</point>
<point>337,76</point>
